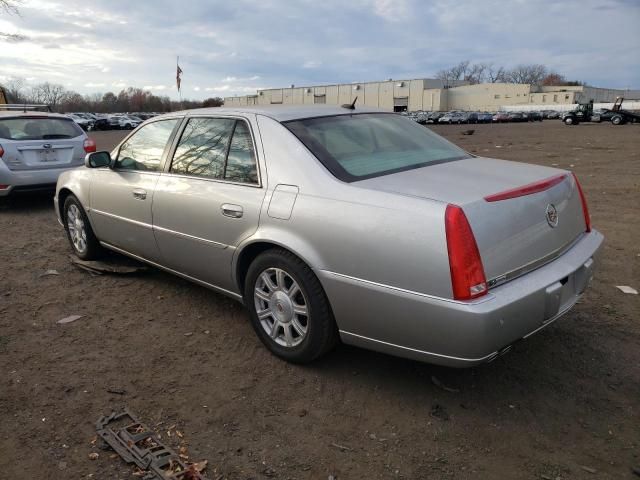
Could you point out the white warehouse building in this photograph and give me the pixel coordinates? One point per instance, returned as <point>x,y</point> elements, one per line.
<point>432,95</point>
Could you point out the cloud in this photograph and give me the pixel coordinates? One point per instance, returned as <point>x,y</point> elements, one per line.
<point>311,64</point>
<point>233,48</point>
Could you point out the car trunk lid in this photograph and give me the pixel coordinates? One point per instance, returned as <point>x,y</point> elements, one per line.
<point>38,154</point>
<point>514,231</point>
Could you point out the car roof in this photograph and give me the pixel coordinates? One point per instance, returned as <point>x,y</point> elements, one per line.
<point>280,113</point>
<point>30,113</point>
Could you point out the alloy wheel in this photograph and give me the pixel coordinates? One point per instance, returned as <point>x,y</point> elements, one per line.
<point>281,307</point>
<point>77,230</point>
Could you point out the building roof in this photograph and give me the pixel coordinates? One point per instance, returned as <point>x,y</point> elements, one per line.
<point>282,113</point>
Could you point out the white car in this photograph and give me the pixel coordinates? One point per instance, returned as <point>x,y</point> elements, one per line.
<point>124,122</point>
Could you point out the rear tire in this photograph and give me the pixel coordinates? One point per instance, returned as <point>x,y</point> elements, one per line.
<point>79,232</point>
<point>616,120</point>
<point>288,308</point>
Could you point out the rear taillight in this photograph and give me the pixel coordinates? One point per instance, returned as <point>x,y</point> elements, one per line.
<point>585,209</point>
<point>467,273</point>
<point>4,187</point>
<point>1,151</point>
<point>89,145</point>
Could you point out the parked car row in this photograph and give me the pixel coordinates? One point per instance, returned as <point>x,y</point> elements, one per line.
<point>456,116</point>
<point>103,121</point>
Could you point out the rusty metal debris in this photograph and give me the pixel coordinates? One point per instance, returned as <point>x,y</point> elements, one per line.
<point>121,266</point>
<point>138,444</point>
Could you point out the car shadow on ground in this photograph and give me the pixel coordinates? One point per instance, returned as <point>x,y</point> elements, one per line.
<point>28,203</point>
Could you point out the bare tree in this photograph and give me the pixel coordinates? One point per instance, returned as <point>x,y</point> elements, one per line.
<point>495,74</point>
<point>475,73</point>
<point>15,90</point>
<point>49,93</point>
<point>10,7</point>
<point>457,72</point>
<point>532,74</point>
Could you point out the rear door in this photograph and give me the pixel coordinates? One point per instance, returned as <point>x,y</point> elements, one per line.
<point>39,142</point>
<point>121,196</point>
<point>210,198</point>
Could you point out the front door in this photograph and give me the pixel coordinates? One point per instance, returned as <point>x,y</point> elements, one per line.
<point>121,196</point>
<point>209,200</point>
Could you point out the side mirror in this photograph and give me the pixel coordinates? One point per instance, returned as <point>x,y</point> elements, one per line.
<point>97,160</point>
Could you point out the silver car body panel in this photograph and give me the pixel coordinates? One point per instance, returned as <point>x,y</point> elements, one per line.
<point>33,163</point>
<point>378,246</point>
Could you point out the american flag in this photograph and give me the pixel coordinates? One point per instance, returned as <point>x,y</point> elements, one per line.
<point>178,74</point>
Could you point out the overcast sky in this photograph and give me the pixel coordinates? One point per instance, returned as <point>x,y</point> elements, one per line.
<point>235,47</point>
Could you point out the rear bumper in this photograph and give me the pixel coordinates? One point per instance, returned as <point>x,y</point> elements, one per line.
<point>460,334</point>
<point>29,180</point>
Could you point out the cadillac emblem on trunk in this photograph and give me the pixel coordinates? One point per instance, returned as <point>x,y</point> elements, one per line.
<point>552,215</point>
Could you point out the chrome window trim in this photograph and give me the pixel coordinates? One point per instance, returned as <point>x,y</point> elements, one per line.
<point>178,136</point>
<point>216,180</point>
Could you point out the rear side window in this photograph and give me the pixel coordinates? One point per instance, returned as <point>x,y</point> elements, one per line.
<point>216,148</point>
<point>359,146</point>
<point>38,128</point>
<point>241,162</point>
<point>202,149</point>
<point>143,150</point>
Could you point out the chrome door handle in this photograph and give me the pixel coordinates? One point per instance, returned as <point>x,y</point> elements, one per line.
<point>139,194</point>
<point>233,211</point>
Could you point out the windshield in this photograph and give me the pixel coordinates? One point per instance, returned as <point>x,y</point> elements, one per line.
<point>359,146</point>
<point>38,128</point>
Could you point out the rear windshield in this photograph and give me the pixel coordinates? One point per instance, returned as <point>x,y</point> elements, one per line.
<point>359,146</point>
<point>42,128</point>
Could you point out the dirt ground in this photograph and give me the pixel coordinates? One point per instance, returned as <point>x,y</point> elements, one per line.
<point>564,404</point>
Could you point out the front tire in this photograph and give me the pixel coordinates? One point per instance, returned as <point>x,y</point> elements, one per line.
<point>79,232</point>
<point>289,310</point>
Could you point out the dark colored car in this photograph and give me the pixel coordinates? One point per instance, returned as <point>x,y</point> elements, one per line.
<point>469,117</point>
<point>517,117</point>
<point>485,117</point>
<point>535,116</point>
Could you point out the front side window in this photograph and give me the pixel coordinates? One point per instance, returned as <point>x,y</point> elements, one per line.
<point>216,148</point>
<point>143,150</point>
<point>359,146</point>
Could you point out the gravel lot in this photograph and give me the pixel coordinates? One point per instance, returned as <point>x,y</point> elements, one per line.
<point>563,405</point>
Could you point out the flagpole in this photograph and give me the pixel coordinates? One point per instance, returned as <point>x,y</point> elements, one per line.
<point>179,89</point>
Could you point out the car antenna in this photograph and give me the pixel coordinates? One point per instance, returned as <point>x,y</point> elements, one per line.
<point>351,106</point>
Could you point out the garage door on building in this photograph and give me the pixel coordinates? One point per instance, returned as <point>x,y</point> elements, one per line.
<point>400,104</point>
<point>319,99</point>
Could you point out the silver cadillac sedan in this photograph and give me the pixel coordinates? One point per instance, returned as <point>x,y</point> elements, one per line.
<point>347,224</point>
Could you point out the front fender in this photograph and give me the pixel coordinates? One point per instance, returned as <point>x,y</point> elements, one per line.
<point>78,183</point>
